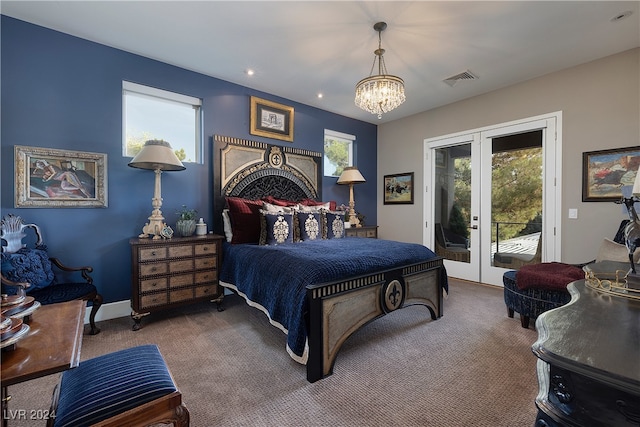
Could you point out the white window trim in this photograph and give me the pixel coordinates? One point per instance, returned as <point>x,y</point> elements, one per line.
<point>153,92</point>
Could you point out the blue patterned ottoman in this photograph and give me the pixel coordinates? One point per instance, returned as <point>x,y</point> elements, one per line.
<point>125,388</point>
<point>530,303</point>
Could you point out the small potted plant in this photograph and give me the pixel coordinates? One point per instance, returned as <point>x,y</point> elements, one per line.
<point>186,224</point>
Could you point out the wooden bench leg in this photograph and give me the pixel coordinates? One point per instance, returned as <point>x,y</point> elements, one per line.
<point>524,321</point>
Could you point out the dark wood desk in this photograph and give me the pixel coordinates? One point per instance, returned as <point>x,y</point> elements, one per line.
<point>52,345</point>
<point>589,367</point>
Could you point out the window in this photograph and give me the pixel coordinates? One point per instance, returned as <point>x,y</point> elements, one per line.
<point>338,152</point>
<point>150,113</point>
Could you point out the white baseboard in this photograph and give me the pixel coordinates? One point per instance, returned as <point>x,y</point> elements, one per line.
<point>112,310</point>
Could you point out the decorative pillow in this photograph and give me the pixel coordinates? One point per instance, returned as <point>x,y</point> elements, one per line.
<point>28,265</point>
<point>278,202</point>
<point>270,207</point>
<point>312,208</point>
<point>277,228</point>
<point>226,222</point>
<point>333,224</point>
<point>612,251</point>
<point>310,224</point>
<point>245,219</point>
<point>331,205</point>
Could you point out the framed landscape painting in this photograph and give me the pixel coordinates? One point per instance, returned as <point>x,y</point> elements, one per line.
<point>50,178</point>
<point>605,172</point>
<point>398,189</point>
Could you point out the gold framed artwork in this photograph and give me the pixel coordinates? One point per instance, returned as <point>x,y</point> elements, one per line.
<point>271,120</point>
<point>51,178</point>
<point>398,189</point>
<point>605,172</point>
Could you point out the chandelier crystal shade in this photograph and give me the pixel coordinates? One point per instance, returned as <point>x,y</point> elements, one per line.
<point>383,92</point>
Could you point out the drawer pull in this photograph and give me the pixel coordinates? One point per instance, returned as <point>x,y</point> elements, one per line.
<point>153,253</point>
<point>628,412</point>
<point>560,389</point>
<point>206,248</point>
<point>154,268</point>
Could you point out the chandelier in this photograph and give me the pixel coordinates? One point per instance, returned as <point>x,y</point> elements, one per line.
<point>383,92</point>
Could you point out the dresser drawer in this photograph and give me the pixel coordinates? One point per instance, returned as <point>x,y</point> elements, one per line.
<point>181,295</point>
<point>153,269</point>
<point>155,284</point>
<point>206,249</point>
<point>207,277</point>
<point>152,254</point>
<point>181,265</point>
<point>180,280</point>
<point>203,263</point>
<point>204,291</point>
<point>152,300</point>
<point>180,251</point>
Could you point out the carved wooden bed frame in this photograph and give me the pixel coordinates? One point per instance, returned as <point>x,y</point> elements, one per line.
<point>253,170</point>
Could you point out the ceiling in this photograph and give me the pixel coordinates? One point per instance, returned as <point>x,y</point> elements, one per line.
<point>301,48</point>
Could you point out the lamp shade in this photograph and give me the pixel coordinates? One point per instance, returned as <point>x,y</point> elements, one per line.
<point>636,185</point>
<point>351,175</point>
<point>157,154</point>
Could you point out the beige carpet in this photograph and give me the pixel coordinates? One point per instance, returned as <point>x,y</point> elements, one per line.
<point>472,367</point>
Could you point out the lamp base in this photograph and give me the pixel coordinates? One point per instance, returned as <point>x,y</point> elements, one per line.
<point>633,281</point>
<point>156,227</point>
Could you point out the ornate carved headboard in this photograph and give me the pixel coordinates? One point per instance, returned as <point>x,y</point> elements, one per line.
<point>252,170</point>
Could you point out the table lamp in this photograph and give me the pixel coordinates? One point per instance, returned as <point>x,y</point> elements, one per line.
<point>156,155</point>
<point>351,175</point>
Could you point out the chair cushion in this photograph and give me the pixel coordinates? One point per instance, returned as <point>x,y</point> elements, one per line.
<point>108,385</point>
<point>28,265</point>
<point>61,292</point>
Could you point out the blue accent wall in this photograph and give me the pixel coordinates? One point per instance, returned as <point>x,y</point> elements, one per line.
<point>64,92</point>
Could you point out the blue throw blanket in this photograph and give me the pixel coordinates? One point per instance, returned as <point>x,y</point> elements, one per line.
<point>274,278</point>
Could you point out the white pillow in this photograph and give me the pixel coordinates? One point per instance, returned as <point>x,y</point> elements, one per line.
<point>313,208</point>
<point>226,222</point>
<point>612,251</point>
<point>271,208</point>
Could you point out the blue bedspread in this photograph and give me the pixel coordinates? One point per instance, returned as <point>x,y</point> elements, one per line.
<point>275,277</point>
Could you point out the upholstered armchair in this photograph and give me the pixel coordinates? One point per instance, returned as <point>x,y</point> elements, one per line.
<point>44,278</point>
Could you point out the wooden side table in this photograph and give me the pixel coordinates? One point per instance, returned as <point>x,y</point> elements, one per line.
<point>167,273</point>
<point>370,231</point>
<point>52,345</point>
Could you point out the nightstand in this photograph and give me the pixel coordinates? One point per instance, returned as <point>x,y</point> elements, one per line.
<point>171,272</point>
<point>370,231</point>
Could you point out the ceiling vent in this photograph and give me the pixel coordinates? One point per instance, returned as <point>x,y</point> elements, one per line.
<point>466,75</point>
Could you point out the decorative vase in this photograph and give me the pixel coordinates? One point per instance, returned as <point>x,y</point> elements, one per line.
<point>186,227</point>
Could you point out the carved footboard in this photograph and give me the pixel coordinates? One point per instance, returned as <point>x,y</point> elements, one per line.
<point>338,309</point>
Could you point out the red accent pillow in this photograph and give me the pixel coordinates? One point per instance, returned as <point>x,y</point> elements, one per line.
<point>311,202</point>
<point>245,219</point>
<point>278,202</point>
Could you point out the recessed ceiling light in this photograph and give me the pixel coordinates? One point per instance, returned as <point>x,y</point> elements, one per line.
<point>320,95</point>
<point>249,72</point>
<point>621,16</point>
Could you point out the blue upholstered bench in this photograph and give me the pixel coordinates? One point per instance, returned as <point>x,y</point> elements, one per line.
<point>131,387</point>
<point>530,303</point>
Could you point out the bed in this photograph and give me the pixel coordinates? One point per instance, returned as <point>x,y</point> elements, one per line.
<point>309,286</point>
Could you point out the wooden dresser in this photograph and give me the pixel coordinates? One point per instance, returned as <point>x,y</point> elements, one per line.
<point>589,361</point>
<point>370,231</point>
<point>171,272</point>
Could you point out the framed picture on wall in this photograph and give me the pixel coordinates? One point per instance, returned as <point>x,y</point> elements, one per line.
<point>398,189</point>
<point>50,178</point>
<point>605,172</point>
<point>271,120</point>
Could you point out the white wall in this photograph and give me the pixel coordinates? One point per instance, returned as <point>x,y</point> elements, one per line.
<point>600,102</point>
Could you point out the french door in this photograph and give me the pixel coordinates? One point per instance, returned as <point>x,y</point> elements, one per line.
<point>491,197</point>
